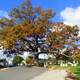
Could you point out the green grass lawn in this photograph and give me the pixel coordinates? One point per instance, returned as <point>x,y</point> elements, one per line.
<point>75,71</point>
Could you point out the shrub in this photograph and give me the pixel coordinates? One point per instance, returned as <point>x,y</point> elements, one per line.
<point>17,60</point>
<point>41,63</point>
<point>30,60</point>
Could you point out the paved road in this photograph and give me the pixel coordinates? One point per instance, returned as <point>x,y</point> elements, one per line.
<point>21,73</point>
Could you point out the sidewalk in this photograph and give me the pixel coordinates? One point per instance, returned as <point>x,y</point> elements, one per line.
<point>52,75</point>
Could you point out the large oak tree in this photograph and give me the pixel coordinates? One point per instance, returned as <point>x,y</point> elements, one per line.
<point>31,28</point>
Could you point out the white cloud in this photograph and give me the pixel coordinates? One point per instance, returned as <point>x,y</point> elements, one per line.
<point>4,14</point>
<point>71,16</point>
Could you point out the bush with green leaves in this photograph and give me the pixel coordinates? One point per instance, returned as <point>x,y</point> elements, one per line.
<point>17,60</point>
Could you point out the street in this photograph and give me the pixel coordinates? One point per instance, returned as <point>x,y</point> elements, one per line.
<point>21,73</point>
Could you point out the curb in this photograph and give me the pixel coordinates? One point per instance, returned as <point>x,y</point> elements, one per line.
<point>3,69</point>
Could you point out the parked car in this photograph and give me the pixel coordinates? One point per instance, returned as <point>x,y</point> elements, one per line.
<point>41,58</point>
<point>9,58</point>
<point>3,63</point>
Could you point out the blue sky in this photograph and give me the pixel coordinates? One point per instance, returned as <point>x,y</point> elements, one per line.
<point>56,5</point>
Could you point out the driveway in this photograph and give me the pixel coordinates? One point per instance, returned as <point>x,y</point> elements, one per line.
<point>52,75</point>
<point>21,73</point>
